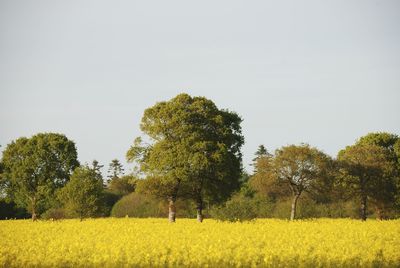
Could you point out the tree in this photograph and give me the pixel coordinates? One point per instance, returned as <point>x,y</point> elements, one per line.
<point>386,199</point>
<point>96,167</point>
<point>194,151</point>
<point>366,171</point>
<point>260,153</point>
<point>35,167</point>
<point>82,195</point>
<point>385,140</point>
<point>301,168</point>
<point>264,182</point>
<point>115,170</point>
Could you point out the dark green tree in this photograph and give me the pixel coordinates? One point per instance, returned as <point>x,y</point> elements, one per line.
<point>367,171</point>
<point>194,151</point>
<point>82,195</point>
<point>388,198</point>
<point>35,167</point>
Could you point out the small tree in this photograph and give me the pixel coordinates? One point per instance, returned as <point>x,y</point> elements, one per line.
<point>300,168</point>
<point>81,196</point>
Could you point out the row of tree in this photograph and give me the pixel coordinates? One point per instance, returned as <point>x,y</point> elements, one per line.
<point>42,175</point>
<point>191,150</point>
<point>367,171</point>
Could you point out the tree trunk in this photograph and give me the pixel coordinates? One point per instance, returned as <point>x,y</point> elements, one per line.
<point>380,212</point>
<point>199,208</point>
<point>33,203</point>
<point>172,209</point>
<point>364,208</point>
<point>294,206</point>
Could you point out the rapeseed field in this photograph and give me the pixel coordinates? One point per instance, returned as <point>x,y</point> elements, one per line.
<point>131,242</point>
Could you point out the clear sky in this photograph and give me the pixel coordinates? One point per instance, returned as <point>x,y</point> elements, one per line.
<point>320,72</point>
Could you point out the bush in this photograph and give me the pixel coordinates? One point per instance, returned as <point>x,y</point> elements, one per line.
<point>238,208</point>
<point>140,206</point>
<point>55,214</point>
<point>308,208</point>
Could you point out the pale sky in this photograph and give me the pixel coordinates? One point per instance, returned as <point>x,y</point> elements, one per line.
<point>320,72</point>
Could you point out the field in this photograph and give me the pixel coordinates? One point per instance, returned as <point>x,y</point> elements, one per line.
<point>155,242</point>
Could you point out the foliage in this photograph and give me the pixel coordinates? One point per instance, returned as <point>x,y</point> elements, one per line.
<point>383,139</point>
<point>121,186</point>
<point>156,243</point>
<point>35,167</point>
<point>81,196</point>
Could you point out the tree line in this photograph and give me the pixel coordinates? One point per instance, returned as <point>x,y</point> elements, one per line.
<point>190,153</point>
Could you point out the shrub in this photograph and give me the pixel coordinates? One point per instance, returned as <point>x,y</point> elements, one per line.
<point>55,214</point>
<point>238,208</point>
<point>140,206</point>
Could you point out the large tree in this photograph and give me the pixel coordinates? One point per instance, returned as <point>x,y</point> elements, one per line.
<point>367,172</point>
<point>35,167</point>
<point>302,168</point>
<point>193,150</point>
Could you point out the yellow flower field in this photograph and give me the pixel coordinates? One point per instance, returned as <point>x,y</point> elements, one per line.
<point>155,242</point>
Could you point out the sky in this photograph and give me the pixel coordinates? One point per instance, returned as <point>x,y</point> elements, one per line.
<point>318,72</point>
